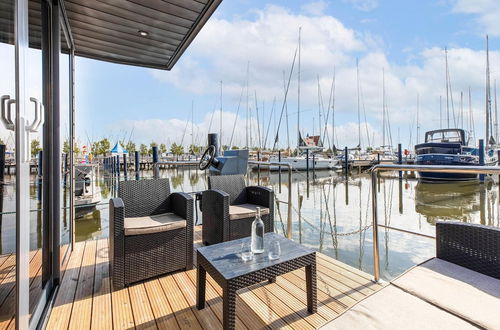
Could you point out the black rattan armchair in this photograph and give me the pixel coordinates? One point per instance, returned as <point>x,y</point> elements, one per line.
<point>472,246</point>
<point>229,207</point>
<point>150,231</point>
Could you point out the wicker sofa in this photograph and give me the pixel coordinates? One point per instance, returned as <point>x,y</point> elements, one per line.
<point>151,231</point>
<point>229,207</point>
<point>459,289</point>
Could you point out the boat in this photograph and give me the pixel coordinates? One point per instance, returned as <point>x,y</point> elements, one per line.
<point>87,191</point>
<point>446,147</point>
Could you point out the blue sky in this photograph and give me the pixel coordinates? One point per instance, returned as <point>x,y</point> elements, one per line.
<point>404,38</point>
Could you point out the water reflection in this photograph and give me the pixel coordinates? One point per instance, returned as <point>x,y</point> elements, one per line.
<point>447,201</point>
<point>330,214</point>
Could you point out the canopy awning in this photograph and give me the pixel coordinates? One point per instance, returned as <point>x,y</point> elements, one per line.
<point>118,149</point>
<point>148,33</point>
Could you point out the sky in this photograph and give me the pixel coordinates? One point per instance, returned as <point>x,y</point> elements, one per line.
<point>254,41</point>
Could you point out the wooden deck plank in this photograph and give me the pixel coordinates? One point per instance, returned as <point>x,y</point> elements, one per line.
<point>61,311</point>
<point>182,311</point>
<point>165,318</point>
<point>101,303</point>
<point>122,310</point>
<point>286,313</point>
<point>143,314</point>
<point>81,313</point>
<point>214,301</point>
<point>205,316</point>
<point>345,280</point>
<point>248,315</point>
<point>296,305</point>
<point>168,302</point>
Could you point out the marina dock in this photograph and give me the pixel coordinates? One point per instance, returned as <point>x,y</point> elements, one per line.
<point>85,300</point>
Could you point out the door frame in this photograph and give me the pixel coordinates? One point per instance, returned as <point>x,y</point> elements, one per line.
<point>53,20</point>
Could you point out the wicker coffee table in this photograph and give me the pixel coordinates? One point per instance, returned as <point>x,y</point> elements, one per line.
<point>223,262</point>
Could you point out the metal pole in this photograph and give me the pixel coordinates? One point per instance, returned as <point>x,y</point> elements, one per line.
<point>314,166</point>
<point>279,170</point>
<point>137,165</point>
<point>155,162</point>
<point>118,166</point>
<point>376,258</point>
<point>289,217</point>
<point>400,160</point>
<point>258,168</point>
<point>2,162</point>
<point>125,166</point>
<point>307,164</point>
<point>481,158</point>
<point>346,162</point>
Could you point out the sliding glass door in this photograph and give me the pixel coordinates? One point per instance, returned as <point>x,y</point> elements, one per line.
<point>35,178</point>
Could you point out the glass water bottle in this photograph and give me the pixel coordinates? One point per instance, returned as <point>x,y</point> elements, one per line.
<point>257,234</point>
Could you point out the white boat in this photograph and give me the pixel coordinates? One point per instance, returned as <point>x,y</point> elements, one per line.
<point>299,163</point>
<point>87,191</point>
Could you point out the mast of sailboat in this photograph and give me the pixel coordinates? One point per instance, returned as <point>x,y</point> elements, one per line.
<point>488,96</point>
<point>359,114</point>
<point>246,126</point>
<point>447,89</point>
<point>333,110</point>
<point>220,121</point>
<point>496,110</point>
<point>298,93</point>
<point>440,113</point>
<point>462,109</point>
<point>383,108</point>
<point>192,123</point>
<point>418,122</point>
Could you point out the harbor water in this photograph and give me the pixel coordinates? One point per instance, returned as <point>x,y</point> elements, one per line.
<point>330,214</point>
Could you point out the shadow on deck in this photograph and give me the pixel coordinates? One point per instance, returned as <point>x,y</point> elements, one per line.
<point>85,299</point>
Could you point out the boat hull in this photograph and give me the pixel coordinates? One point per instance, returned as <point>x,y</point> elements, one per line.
<point>447,160</point>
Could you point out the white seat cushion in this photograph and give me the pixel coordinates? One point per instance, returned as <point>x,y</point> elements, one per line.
<point>456,289</point>
<point>392,308</point>
<point>243,211</point>
<point>153,224</point>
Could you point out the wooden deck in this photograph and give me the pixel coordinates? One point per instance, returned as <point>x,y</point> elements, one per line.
<point>85,299</point>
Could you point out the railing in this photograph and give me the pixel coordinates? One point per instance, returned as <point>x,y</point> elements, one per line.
<point>289,202</point>
<point>413,168</point>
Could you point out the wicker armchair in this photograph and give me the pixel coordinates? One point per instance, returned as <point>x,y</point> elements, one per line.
<point>229,207</point>
<point>471,246</point>
<point>151,231</point>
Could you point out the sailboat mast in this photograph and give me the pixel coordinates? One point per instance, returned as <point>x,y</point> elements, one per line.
<point>488,96</point>
<point>496,110</point>
<point>220,121</point>
<point>418,122</point>
<point>298,95</point>
<point>359,114</point>
<point>192,122</point>
<point>248,105</point>
<point>447,89</point>
<point>440,112</point>
<point>383,107</point>
<point>462,109</point>
<point>333,110</point>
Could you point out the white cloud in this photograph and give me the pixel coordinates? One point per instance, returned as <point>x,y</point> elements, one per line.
<point>363,5</point>
<point>487,13</point>
<point>224,47</point>
<point>316,8</point>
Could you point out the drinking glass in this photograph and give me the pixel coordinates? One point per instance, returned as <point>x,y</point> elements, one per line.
<point>274,250</point>
<point>246,251</point>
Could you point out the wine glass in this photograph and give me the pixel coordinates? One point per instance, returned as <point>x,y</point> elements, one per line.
<point>246,251</point>
<point>274,250</point>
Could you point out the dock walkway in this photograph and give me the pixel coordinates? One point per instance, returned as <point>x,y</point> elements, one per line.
<point>85,299</point>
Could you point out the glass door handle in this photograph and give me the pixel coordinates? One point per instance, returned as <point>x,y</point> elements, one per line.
<point>33,128</point>
<point>6,112</point>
